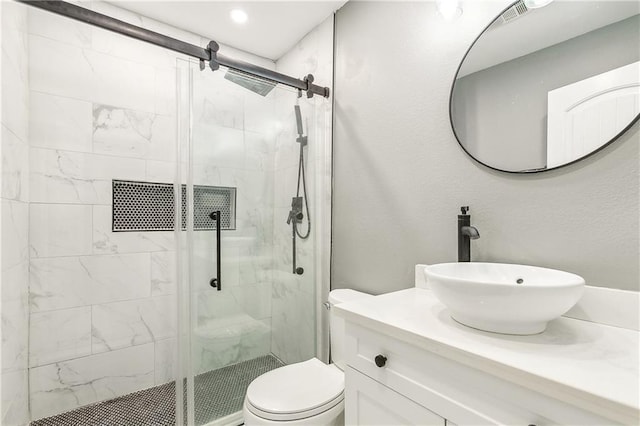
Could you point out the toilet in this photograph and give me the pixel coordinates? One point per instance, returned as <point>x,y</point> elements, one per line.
<point>309,392</point>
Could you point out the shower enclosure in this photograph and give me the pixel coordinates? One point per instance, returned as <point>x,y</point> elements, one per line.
<point>244,311</point>
<point>146,255</point>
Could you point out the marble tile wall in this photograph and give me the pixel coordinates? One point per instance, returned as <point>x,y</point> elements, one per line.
<point>299,325</point>
<point>102,304</point>
<point>14,214</point>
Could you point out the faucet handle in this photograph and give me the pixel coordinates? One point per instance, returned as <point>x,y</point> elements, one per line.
<point>464,209</point>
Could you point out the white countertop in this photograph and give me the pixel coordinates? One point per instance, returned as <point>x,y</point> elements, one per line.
<point>589,365</point>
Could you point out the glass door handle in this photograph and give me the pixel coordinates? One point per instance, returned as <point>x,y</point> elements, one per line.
<point>215,282</point>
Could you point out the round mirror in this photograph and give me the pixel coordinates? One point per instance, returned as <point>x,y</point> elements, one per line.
<point>542,88</point>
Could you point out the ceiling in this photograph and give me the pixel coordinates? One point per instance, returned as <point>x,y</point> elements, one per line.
<point>272,29</point>
<point>541,28</point>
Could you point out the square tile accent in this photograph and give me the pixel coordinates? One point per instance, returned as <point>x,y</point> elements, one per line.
<point>145,206</point>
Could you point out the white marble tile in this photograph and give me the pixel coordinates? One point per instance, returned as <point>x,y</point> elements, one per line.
<point>134,322</point>
<point>15,85</point>
<point>15,332</point>
<point>77,178</point>
<point>15,398</point>
<point>293,321</point>
<point>113,10</point>
<point>60,230</point>
<point>59,28</point>
<point>15,283</point>
<point>165,90</point>
<point>260,113</point>
<point>216,103</point>
<point>128,133</point>
<point>15,167</point>
<point>57,122</point>
<point>163,273</point>
<point>211,304</point>
<point>89,75</point>
<point>284,187</point>
<point>259,151</point>
<point>218,146</point>
<point>62,386</point>
<point>165,361</point>
<point>14,15</point>
<point>116,45</point>
<point>255,264</point>
<point>59,335</point>
<point>255,300</point>
<point>228,340</point>
<point>15,235</point>
<point>106,241</point>
<point>162,171</point>
<point>65,282</point>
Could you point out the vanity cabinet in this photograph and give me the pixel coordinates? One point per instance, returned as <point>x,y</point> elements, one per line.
<point>372,403</point>
<point>417,385</point>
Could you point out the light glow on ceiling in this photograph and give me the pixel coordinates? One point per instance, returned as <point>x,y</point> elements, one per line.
<point>449,9</point>
<point>238,16</point>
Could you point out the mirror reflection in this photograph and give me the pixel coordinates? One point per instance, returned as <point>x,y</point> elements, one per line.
<point>541,88</point>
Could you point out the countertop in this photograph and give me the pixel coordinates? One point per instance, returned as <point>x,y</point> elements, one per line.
<point>589,365</point>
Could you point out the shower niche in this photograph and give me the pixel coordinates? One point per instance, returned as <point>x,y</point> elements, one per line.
<point>146,206</point>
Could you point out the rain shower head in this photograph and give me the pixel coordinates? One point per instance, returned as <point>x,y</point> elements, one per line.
<point>257,85</point>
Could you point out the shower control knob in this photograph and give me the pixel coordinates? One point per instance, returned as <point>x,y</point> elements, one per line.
<point>299,270</point>
<point>380,360</point>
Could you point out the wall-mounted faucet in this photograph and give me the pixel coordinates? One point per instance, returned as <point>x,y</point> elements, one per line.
<point>466,233</point>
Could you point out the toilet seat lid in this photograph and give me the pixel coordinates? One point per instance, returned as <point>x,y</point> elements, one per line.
<point>297,389</point>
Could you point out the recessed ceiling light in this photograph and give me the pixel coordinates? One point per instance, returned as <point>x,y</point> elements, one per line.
<point>239,16</point>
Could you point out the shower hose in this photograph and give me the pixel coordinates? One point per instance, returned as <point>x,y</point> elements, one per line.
<point>301,178</point>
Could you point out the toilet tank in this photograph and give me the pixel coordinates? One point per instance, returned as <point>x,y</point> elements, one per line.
<point>336,324</point>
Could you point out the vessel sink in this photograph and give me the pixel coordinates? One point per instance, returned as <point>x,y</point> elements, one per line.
<point>503,298</point>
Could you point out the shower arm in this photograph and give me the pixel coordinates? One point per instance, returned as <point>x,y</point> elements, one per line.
<point>208,54</point>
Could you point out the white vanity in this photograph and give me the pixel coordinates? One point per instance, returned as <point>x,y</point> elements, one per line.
<point>410,363</point>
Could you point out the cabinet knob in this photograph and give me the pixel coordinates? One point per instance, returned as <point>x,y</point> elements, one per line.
<point>380,360</point>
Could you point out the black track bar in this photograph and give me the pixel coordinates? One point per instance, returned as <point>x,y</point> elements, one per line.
<point>204,54</point>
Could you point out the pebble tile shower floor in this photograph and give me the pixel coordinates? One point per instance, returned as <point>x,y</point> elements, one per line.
<point>218,393</point>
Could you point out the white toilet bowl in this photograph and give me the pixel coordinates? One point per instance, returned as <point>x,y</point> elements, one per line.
<point>306,393</point>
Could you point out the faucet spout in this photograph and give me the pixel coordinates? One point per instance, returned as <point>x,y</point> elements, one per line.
<point>471,232</point>
<point>466,233</point>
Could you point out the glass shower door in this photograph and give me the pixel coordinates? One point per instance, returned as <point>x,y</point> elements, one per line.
<point>244,310</point>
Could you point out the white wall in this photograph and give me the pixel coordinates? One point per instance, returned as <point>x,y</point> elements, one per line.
<point>400,176</point>
<point>14,211</point>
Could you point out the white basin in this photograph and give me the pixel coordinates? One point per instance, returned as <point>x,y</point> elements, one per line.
<point>503,298</point>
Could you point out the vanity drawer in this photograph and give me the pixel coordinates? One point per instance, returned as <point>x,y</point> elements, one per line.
<point>461,394</point>
<point>363,405</point>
